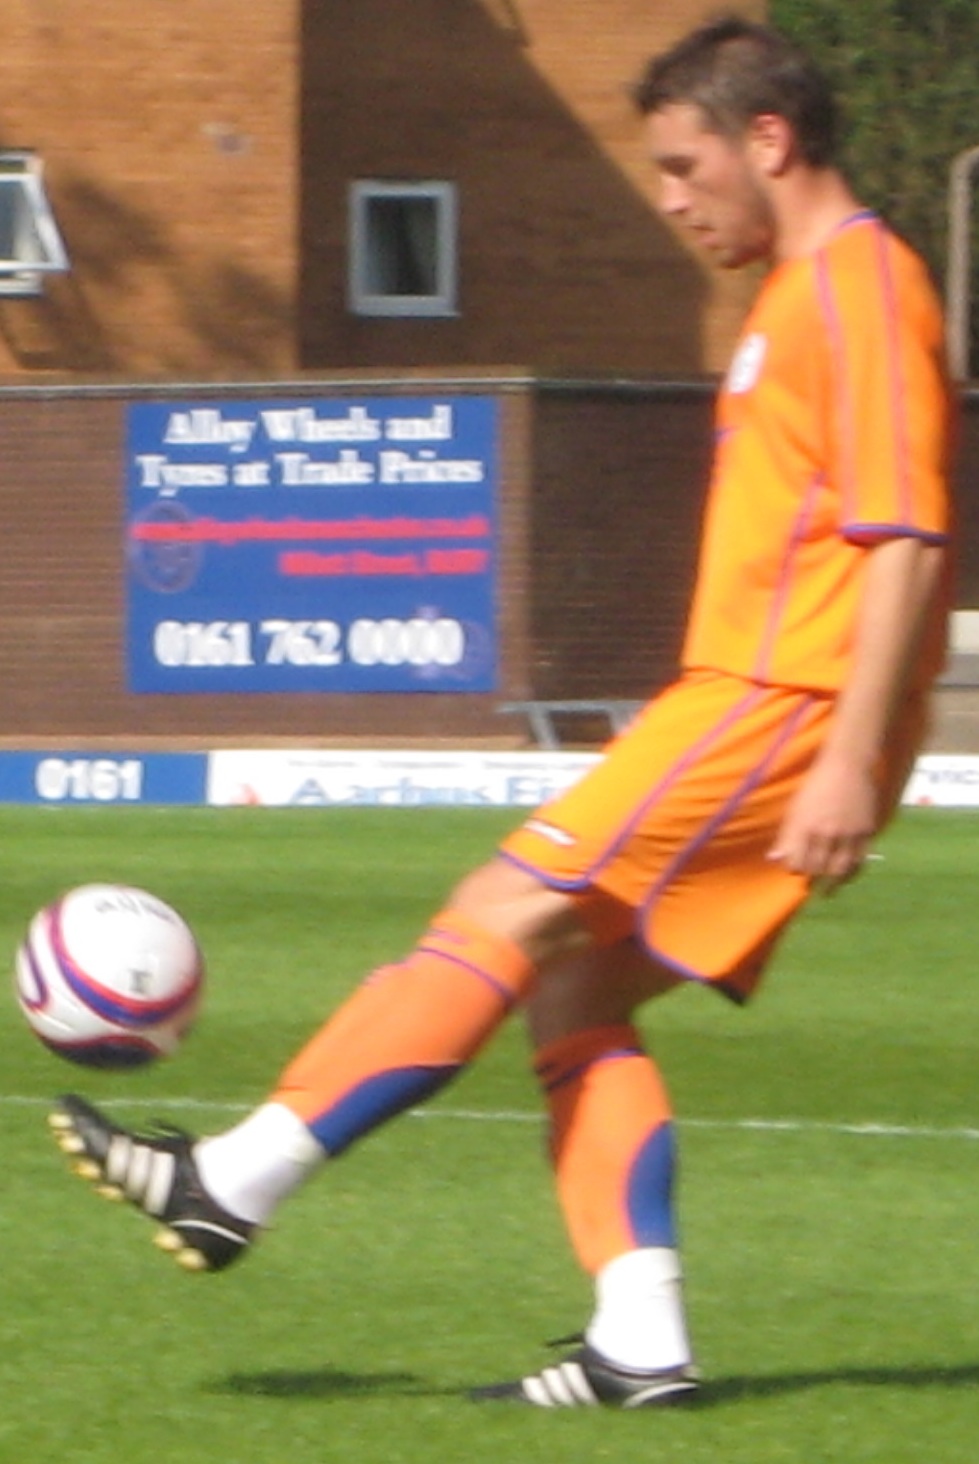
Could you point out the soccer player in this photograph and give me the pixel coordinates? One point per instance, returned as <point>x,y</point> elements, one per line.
<point>759,776</point>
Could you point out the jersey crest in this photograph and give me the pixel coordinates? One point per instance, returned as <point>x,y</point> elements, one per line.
<point>746,366</point>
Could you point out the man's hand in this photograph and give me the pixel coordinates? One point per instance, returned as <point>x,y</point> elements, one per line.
<point>828,825</point>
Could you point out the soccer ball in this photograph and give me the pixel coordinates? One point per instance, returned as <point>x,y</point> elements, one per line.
<point>109,976</point>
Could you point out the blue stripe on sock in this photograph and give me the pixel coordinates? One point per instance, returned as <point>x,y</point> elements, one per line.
<point>375,1100</point>
<point>649,1197</point>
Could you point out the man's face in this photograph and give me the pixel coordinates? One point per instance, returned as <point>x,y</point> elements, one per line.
<point>712,185</point>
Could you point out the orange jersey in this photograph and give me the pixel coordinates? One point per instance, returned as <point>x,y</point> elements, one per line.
<point>826,444</point>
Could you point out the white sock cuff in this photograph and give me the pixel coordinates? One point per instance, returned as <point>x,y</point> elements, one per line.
<point>639,1320</point>
<point>276,1125</point>
<point>643,1269</point>
<point>250,1168</point>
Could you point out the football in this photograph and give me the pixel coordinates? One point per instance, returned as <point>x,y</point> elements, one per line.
<point>109,976</point>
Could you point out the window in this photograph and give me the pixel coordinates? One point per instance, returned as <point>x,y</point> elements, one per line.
<point>403,248</point>
<point>30,244</point>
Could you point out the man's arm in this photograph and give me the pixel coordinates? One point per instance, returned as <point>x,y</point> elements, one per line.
<point>826,829</point>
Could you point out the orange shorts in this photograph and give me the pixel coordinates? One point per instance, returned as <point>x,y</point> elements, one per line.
<point>667,836</point>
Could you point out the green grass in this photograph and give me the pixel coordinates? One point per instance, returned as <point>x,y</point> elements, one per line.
<point>832,1273</point>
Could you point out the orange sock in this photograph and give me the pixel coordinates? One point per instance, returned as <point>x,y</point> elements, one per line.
<point>611,1142</point>
<point>406,1032</point>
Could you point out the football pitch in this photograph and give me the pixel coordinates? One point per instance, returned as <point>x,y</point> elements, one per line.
<point>829,1193</point>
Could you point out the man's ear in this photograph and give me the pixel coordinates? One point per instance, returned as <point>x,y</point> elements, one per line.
<point>771,141</point>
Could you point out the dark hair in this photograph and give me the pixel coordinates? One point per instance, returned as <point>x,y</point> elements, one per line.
<point>734,71</point>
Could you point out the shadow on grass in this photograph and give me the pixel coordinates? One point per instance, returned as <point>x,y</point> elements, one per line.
<point>329,1383</point>
<point>732,1390</point>
<point>326,1382</point>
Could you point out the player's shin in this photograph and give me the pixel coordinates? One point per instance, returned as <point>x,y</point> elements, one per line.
<point>401,1037</point>
<point>614,1164</point>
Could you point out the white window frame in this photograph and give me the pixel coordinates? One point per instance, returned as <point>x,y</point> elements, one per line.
<point>38,247</point>
<point>362,296</point>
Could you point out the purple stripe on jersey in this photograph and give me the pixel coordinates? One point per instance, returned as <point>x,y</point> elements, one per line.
<point>551,880</point>
<point>862,216</point>
<point>898,388</point>
<point>843,394</point>
<point>485,976</point>
<point>748,784</point>
<point>770,634</point>
<point>689,758</point>
<point>893,531</point>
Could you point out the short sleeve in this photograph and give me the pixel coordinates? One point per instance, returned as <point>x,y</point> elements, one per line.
<point>890,426</point>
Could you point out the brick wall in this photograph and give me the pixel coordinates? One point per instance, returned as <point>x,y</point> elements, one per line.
<point>600,497</point>
<point>523,104</point>
<point>597,501</point>
<point>199,155</point>
<point>619,479</point>
<point>167,131</point>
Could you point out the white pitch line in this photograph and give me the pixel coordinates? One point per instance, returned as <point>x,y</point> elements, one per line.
<point>866,1130</point>
<point>741,1125</point>
<point>857,1130</point>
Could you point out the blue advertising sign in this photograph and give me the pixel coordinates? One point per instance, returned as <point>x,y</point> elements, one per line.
<point>89,777</point>
<point>332,544</point>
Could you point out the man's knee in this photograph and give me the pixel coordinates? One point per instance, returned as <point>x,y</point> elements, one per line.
<point>513,902</point>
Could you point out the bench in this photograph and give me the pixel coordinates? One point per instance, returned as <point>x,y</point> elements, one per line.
<point>544,716</point>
